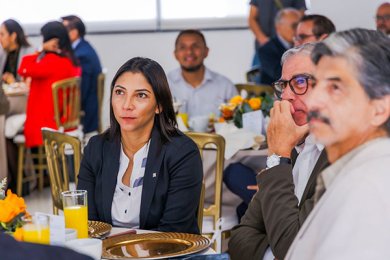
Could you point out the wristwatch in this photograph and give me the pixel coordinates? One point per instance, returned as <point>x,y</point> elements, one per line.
<point>275,159</point>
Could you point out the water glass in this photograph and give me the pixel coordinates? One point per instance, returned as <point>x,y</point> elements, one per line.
<point>37,229</point>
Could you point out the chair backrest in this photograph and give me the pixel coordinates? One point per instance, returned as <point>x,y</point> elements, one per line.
<point>202,140</point>
<point>254,89</point>
<point>201,206</point>
<point>59,147</point>
<point>253,75</point>
<point>66,97</point>
<point>100,94</point>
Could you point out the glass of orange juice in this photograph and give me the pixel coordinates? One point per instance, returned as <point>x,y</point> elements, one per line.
<point>76,211</point>
<point>37,229</point>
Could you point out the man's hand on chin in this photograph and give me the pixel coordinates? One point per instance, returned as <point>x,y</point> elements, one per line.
<point>283,134</point>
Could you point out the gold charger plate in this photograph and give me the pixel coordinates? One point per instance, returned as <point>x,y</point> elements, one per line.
<point>153,245</point>
<point>98,229</point>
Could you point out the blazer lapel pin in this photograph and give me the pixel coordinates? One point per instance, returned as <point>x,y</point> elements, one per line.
<point>154,175</point>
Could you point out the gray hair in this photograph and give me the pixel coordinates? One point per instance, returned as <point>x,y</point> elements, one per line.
<point>368,51</point>
<point>305,49</point>
<point>282,12</point>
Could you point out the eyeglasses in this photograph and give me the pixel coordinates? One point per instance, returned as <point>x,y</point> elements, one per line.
<point>384,18</point>
<point>298,84</point>
<point>302,37</point>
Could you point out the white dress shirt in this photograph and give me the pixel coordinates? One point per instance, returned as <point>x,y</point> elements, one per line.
<point>352,219</point>
<point>126,203</point>
<point>308,154</point>
<point>204,99</point>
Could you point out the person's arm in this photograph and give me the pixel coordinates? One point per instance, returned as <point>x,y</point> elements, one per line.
<point>279,206</point>
<point>4,102</point>
<point>33,66</point>
<point>255,27</point>
<point>186,174</point>
<point>13,250</point>
<point>249,238</point>
<point>87,177</point>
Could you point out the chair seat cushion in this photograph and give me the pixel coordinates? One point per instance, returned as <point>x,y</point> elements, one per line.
<point>14,124</point>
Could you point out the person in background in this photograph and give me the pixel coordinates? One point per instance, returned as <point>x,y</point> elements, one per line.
<point>142,172</point>
<point>55,62</point>
<point>261,20</point>
<point>199,89</point>
<point>4,107</point>
<point>14,47</point>
<point>13,250</point>
<point>286,187</point>
<point>349,113</point>
<point>313,28</point>
<point>91,68</point>
<point>286,21</point>
<point>383,18</point>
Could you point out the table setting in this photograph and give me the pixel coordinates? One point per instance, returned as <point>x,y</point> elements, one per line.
<point>94,238</point>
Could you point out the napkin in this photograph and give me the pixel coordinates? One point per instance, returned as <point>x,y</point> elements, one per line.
<point>236,138</point>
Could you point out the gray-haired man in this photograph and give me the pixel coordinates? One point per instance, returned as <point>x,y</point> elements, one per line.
<point>286,188</point>
<point>349,114</point>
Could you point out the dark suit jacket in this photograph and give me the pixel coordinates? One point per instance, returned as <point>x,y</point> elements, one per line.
<point>171,185</point>
<point>273,217</point>
<point>90,64</point>
<point>13,250</point>
<point>270,55</point>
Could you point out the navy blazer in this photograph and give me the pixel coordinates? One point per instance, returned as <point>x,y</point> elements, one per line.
<point>270,55</point>
<point>11,249</point>
<point>171,186</point>
<point>90,69</point>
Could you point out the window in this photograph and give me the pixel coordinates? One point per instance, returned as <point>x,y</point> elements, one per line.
<point>130,15</point>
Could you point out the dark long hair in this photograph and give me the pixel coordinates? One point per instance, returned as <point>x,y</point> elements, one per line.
<point>13,26</point>
<point>165,121</point>
<point>57,30</point>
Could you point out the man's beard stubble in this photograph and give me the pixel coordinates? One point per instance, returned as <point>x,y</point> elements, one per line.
<point>195,68</point>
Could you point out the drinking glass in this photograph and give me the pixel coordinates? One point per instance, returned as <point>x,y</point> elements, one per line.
<point>76,211</point>
<point>37,229</point>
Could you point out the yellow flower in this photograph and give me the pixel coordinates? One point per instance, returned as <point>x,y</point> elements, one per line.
<point>236,100</point>
<point>255,103</point>
<point>11,206</point>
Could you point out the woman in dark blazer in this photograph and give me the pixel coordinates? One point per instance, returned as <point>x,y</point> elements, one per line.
<point>142,172</point>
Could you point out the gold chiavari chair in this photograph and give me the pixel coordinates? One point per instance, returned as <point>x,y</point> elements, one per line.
<point>66,100</point>
<point>100,95</point>
<point>254,89</point>
<point>213,221</point>
<point>60,147</point>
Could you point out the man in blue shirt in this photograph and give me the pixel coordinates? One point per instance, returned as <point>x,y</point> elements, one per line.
<point>91,68</point>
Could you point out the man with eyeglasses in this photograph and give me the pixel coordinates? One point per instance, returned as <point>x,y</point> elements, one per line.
<point>313,28</point>
<point>286,188</point>
<point>383,18</point>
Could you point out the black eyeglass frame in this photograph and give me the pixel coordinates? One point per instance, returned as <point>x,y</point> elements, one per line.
<point>278,92</point>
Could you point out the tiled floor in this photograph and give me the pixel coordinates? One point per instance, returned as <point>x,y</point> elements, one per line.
<point>39,201</point>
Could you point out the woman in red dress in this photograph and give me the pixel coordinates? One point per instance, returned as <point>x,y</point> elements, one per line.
<point>55,62</point>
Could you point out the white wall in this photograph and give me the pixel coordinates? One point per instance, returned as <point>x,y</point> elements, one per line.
<point>230,50</point>
<point>347,14</point>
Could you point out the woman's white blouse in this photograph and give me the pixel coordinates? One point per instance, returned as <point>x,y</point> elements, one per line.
<point>126,203</point>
